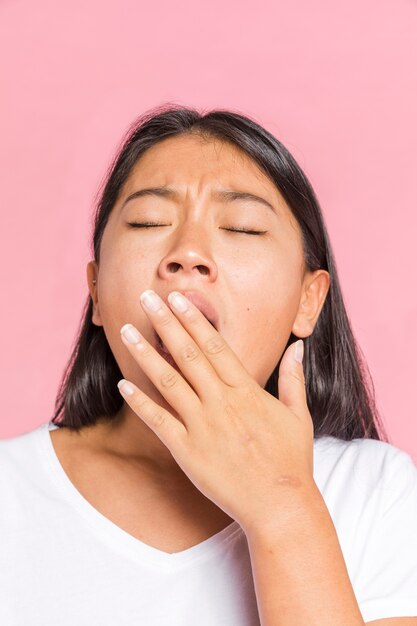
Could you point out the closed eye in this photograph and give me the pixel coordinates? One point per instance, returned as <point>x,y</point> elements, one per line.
<point>248,232</point>
<point>233,230</point>
<point>145,224</point>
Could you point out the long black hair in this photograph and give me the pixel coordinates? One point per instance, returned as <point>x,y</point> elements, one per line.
<point>340,392</point>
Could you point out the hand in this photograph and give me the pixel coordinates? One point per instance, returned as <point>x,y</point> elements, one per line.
<point>240,446</point>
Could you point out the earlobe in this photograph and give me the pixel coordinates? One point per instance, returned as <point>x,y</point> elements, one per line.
<point>315,288</point>
<point>92,275</point>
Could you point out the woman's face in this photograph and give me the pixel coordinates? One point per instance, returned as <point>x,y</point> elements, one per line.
<point>256,282</point>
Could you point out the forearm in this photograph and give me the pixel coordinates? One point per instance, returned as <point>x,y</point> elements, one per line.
<point>298,568</point>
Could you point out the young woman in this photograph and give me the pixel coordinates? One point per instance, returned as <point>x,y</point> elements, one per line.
<point>216,456</point>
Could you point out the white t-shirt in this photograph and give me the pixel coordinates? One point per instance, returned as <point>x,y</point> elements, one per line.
<point>64,563</point>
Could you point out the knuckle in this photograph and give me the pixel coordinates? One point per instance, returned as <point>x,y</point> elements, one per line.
<point>165,320</point>
<point>143,405</point>
<point>169,379</point>
<point>298,378</point>
<point>194,317</point>
<point>230,410</point>
<point>251,395</point>
<point>214,345</point>
<point>145,351</point>
<point>158,419</point>
<point>190,352</point>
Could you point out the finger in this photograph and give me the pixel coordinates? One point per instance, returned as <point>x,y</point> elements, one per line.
<point>194,347</point>
<point>170,430</point>
<point>291,381</point>
<point>213,346</point>
<point>183,349</point>
<point>166,379</point>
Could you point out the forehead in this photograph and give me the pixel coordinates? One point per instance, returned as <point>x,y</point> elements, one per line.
<point>195,164</point>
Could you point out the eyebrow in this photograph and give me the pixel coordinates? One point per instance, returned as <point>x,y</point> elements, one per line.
<point>223,195</point>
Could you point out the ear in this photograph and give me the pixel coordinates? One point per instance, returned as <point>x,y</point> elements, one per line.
<point>92,274</point>
<point>313,294</point>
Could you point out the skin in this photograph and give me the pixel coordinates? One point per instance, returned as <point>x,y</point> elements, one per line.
<point>214,426</point>
<point>260,280</point>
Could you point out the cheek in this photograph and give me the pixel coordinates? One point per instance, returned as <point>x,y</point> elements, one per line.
<point>269,329</point>
<point>263,321</point>
<point>121,283</point>
<point>263,350</point>
<point>268,290</point>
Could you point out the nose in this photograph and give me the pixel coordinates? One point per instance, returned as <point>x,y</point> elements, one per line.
<point>189,256</point>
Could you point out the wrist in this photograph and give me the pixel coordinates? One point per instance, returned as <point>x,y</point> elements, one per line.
<point>288,509</point>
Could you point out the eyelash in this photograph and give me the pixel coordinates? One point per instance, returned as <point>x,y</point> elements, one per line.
<point>234,230</point>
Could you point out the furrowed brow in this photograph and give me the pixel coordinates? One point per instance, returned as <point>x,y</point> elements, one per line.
<point>230,196</point>
<point>226,195</point>
<point>160,192</point>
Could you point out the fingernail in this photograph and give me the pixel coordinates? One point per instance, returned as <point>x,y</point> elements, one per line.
<point>299,351</point>
<point>151,300</point>
<point>178,301</point>
<point>125,388</point>
<point>130,333</point>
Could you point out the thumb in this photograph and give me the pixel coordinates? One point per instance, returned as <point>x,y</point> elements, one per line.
<point>291,381</point>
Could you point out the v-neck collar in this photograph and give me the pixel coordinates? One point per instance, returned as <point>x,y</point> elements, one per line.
<point>108,531</point>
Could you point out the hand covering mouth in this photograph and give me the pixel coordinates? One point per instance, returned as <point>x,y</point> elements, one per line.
<point>201,303</point>
<point>163,349</point>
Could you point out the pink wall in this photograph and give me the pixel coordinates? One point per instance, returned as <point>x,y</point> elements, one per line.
<point>336,82</point>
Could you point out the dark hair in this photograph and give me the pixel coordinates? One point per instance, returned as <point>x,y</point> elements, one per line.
<point>340,392</point>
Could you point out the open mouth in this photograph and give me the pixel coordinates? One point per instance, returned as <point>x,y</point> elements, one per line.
<point>161,344</point>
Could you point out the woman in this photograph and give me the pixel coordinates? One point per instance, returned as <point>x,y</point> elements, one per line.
<point>215,456</point>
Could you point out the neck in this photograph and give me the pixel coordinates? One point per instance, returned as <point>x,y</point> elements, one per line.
<point>127,436</point>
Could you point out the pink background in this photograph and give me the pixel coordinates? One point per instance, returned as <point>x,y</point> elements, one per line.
<point>336,82</point>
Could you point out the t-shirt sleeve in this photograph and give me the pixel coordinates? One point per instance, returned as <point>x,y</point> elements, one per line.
<point>389,572</point>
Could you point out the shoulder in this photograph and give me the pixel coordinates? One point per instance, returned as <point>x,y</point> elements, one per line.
<point>371,474</point>
<point>19,454</point>
<point>12,445</point>
<point>370,489</point>
<point>365,458</point>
